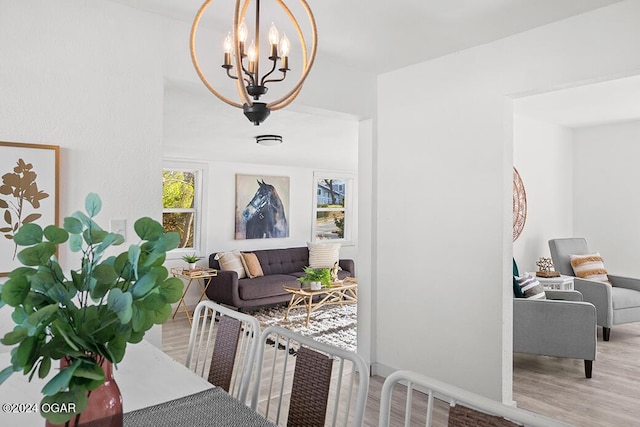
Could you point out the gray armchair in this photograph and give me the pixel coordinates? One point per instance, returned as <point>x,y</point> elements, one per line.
<point>615,304</point>
<point>560,326</point>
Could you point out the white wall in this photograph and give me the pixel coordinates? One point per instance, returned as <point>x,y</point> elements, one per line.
<point>606,196</point>
<point>542,154</point>
<point>365,270</point>
<point>444,215</point>
<point>87,76</point>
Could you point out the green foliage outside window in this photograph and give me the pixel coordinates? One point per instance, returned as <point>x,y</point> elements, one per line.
<point>178,191</point>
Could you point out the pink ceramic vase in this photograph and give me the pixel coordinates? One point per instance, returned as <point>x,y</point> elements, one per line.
<point>104,408</point>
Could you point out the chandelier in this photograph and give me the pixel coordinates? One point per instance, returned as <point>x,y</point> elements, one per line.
<point>242,58</point>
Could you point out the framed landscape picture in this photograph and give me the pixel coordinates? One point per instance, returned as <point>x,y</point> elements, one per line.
<point>29,175</point>
<point>262,207</point>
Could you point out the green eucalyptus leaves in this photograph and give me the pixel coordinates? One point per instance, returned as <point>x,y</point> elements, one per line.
<point>91,314</point>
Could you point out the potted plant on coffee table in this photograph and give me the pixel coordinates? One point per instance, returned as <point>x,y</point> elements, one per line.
<point>316,278</point>
<point>84,320</point>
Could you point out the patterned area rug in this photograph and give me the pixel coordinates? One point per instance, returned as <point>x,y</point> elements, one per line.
<point>330,324</point>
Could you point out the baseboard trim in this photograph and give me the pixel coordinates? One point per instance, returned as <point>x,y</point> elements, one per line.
<point>381,369</point>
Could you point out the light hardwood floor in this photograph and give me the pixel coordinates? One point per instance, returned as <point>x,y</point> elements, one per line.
<point>550,386</point>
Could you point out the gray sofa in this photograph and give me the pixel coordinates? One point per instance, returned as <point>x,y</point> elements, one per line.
<point>281,267</point>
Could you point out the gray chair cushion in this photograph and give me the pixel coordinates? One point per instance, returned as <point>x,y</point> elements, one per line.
<point>624,298</point>
<point>265,286</point>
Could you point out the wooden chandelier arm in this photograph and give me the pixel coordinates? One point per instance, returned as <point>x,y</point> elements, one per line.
<point>293,93</point>
<point>194,59</point>
<point>237,18</point>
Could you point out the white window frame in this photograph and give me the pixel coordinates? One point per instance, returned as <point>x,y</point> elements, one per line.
<point>200,171</point>
<point>350,214</point>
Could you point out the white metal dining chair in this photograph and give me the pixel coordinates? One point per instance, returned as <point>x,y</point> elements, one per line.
<point>301,382</point>
<point>222,347</point>
<point>465,408</point>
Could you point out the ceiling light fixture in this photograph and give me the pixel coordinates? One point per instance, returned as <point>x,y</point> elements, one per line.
<point>242,63</point>
<point>269,140</point>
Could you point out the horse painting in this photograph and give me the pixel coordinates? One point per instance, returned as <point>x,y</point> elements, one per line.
<point>264,216</point>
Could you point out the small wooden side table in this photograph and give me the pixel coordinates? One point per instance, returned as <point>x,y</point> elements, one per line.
<point>200,276</point>
<point>339,293</point>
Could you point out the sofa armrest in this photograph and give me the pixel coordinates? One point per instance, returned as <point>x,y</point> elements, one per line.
<point>554,328</point>
<point>348,265</point>
<point>598,294</point>
<point>625,282</point>
<point>223,288</point>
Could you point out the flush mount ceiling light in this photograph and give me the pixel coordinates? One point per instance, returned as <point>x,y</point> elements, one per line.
<point>269,139</point>
<point>242,63</point>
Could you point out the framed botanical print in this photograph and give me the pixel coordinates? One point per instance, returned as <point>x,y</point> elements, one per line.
<point>29,180</point>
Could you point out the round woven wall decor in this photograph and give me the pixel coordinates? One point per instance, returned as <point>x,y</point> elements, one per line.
<point>519,205</point>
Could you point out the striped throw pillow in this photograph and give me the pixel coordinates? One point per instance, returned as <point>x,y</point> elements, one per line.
<point>323,255</point>
<point>231,261</point>
<point>531,287</point>
<point>589,266</point>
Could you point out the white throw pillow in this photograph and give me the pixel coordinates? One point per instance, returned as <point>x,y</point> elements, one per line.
<point>231,261</point>
<point>323,255</point>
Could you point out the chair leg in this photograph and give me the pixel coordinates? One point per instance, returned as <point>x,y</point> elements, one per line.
<point>606,332</point>
<point>588,367</point>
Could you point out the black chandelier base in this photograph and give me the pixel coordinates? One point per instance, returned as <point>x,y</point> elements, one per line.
<point>256,113</point>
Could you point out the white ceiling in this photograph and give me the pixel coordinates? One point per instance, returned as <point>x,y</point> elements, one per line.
<point>393,34</point>
<point>383,35</point>
<point>196,120</point>
<point>588,105</point>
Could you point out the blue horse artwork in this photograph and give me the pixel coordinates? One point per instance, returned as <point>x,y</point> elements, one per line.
<point>264,217</point>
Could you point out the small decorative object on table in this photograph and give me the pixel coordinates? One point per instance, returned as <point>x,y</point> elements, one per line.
<point>85,320</point>
<point>545,268</point>
<point>334,272</point>
<point>191,260</point>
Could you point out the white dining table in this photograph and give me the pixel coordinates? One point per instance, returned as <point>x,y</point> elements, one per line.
<point>146,376</point>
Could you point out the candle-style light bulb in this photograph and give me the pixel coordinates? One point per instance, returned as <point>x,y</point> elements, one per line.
<point>274,37</point>
<point>251,53</point>
<point>285,47</point>
<point>243,33</point>
<point>228,44</point>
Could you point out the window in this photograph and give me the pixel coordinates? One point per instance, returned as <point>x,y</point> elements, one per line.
<point>333,207</point>
<point>181,205</point>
